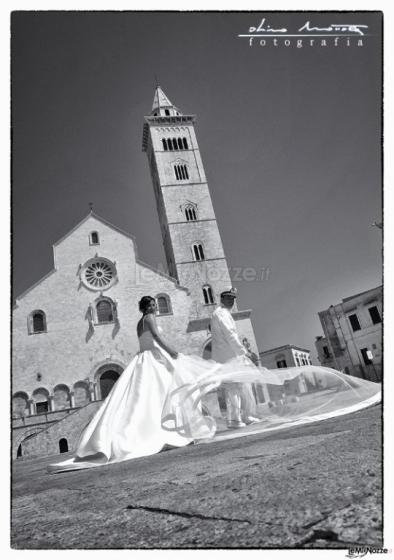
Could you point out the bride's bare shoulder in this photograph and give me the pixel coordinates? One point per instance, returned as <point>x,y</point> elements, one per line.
<point>149,319</point>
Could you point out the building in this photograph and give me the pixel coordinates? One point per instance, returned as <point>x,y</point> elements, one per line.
<point>285,356</point>
<point>74,331</point>
<point>352,340</point>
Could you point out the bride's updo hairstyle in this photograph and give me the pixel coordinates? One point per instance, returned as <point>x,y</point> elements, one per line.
<point>144,302</point>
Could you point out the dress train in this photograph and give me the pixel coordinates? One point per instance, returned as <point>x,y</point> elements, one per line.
<point>160,401</point>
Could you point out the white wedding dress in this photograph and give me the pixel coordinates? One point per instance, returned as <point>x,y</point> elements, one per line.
<point>128,423</point>
<point>159,401</point>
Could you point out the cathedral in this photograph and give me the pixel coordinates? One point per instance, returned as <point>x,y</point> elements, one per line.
<point>74,331</point>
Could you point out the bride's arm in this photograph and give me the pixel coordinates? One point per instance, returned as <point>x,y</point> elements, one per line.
<point>150,321</point>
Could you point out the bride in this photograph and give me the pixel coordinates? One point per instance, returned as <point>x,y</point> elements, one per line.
<point>158,399</point>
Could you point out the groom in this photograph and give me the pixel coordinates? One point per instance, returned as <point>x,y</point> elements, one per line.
<point>226,345</point>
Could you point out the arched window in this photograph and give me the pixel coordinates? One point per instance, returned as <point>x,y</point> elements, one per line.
<point>180,144</point>
<point>105,311</point>
<point>198,252</point>
<point>63,445</point>
<point>61,397</point>
<point>19,452</point>
<point>94,238</point>
<point>190,213</point>
<point>20,404</point>
<point>41,400</point>
<point>165,144</point>
<point>167,112</point>
<point>169,142</point>
<point>185,146</point>
<point>81,393</point>
<point>163,304</point>
<point>37,322</point>
<point>181,172</point>
<point>208,295</point>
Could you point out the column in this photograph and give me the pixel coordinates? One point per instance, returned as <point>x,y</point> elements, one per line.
<point>51,403</point>
<point>32,408</point>
<point>72,399</point>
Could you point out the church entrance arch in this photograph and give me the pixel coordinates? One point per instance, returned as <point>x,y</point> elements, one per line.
<point>106,377</point>
<point>107,381</point>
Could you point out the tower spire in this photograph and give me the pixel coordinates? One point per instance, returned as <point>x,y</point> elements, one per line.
<point>162,106</point>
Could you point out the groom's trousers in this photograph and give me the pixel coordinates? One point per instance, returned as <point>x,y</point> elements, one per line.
<point>240,401</point>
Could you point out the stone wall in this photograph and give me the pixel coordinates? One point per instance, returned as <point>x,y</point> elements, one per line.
<point>46,441</point>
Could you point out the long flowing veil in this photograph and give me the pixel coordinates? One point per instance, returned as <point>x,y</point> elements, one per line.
<point>277,398</point>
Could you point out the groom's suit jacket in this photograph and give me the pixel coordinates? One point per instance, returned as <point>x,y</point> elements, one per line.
<point>225,339</point>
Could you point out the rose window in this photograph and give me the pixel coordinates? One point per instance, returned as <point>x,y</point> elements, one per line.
<point>98,274</point>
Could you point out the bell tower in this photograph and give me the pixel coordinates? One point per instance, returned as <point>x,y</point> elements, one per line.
<point>192,242</point>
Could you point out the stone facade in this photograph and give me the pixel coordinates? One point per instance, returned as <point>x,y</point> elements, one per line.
<point>72,348</point>
<point>74,331</point>
<point>352,339</point>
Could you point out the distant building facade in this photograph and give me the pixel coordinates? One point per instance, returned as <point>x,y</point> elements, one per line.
<point>352,340</point>
<point>285,356</point>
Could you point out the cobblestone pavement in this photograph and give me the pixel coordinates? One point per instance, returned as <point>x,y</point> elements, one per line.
<point>317,485</point>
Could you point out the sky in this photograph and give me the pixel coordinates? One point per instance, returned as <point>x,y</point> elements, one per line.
<point>290,140</point>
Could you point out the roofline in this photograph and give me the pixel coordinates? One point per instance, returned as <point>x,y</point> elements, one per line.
<point>22,295</point>
<point>100,219</point>
<point>349,298</point>
<point>285,346</point>
<point>116,228</point>
<point>361,293</point>
<point>174,280</point>
<point>162,118</point>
